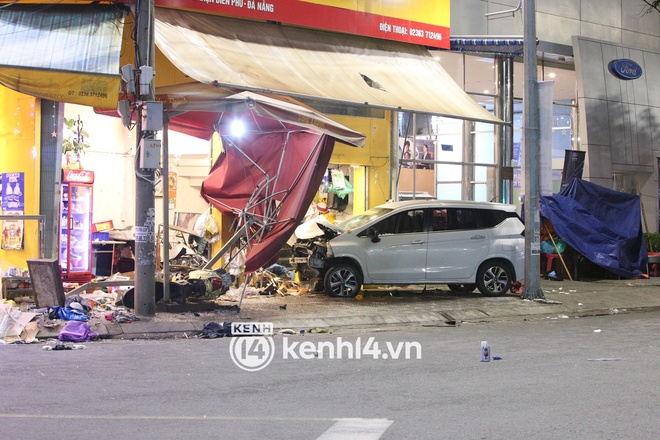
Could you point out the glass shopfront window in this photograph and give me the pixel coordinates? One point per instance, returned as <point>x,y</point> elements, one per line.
<point>460,161</point>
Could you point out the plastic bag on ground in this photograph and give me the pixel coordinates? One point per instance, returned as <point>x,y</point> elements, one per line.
<point>77,331</point>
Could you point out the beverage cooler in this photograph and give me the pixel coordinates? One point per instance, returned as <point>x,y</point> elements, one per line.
<point>76,225</point>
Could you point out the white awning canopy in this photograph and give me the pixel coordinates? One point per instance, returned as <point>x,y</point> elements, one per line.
<point>311,64</point>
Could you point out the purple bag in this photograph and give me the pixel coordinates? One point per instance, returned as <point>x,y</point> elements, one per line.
<point>77,331</point>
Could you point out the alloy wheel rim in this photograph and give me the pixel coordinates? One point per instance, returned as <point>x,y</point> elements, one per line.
<point>343,282</point>
<point>496,279</point>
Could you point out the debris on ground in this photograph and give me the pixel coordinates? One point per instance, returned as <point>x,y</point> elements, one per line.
<point>270,283</point>
<point>120,316</point>
<point>214,330</point>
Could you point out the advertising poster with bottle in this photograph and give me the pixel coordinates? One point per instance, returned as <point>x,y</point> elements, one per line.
<point>13,203</point>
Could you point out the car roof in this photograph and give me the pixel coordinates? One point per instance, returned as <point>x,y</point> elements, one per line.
<point>411,204</point>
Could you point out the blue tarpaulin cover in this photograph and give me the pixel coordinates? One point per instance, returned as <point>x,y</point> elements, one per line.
<point>601,224</point>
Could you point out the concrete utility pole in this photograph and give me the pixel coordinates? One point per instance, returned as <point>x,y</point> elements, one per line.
<point>532,287</point>
<point>145,237</point>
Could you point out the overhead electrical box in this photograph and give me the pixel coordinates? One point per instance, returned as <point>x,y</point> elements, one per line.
<point>150,154</point>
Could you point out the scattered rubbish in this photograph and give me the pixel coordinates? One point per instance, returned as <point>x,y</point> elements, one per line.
<point>562,316</point>
<point>287,331</point>
<point>62,346</point>
<point>553,276</point>
<point>497,358</point>
<point>15,324</point>
<point>68,313</point>
<point>318,330</point>
<point>47,323</point>
<point>121,316</point>
<point>283,307</point>
<point>546,301</point>
<point>580,304</point>
<point>572,290</point>
<point>597,330</point>
<point>276,280</point>
<point>78,303</point>
<point>214,330</point>
<point>606,359</point>
<point>614,311</point>
<point>77,331</point>
<point>485,351</point>
<point>302,332</point>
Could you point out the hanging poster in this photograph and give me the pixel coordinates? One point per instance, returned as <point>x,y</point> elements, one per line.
<point>573,166</point>
<point>171,189</point>
<point>13,203</point>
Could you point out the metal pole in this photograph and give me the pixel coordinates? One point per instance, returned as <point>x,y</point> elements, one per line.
<point>532,287</point>
<point>145,237</point>
<point>165,179</point>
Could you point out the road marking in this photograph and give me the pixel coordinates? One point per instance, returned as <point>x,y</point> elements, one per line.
<point>132,417</point>
<point>356,429</point>
<point>343,429</point>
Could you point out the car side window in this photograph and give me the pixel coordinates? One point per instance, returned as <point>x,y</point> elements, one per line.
<point>411,221</point>
<point>402,223</point>
<point>453,219</point>
<point>439,219</point>
<point>465,219</point>
<point>490,218</point>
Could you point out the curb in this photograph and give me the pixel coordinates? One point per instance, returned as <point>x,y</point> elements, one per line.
<point>167,330</point>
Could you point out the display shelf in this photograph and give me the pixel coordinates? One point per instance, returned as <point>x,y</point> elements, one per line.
<point>13,287</point>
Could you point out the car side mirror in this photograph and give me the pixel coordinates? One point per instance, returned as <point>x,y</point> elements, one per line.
<point>373,235</point>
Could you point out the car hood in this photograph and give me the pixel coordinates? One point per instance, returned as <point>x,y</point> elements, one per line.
<point>317,227</point>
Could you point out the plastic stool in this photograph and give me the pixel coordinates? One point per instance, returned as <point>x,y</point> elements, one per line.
<point>549,259</point>
<point>654,270</point>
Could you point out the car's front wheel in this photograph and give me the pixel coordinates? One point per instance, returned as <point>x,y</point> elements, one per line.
<point>494,278</point>
<point>343,280</point>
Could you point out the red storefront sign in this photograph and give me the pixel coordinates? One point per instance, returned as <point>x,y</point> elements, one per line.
<point>77,176</point>
<point>423,22</point>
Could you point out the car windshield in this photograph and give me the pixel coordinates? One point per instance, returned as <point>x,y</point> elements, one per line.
<point>364,218</point>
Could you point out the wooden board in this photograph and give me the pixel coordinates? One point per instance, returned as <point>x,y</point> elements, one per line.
<point>46,282</point>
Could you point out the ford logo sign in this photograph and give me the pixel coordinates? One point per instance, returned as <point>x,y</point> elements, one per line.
<point>625,69</point>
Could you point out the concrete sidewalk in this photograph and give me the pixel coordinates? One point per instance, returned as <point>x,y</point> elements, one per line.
<point>384,307</point>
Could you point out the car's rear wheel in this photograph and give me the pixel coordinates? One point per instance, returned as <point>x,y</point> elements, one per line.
<point>343,280</point>
<point>462,287</point>
<point>494,278</point>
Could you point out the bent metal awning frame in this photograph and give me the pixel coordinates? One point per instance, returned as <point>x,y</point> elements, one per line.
<point>304,63</point>
<point>265,178</point>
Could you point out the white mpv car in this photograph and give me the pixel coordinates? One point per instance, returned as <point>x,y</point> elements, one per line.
<point>465,245</point>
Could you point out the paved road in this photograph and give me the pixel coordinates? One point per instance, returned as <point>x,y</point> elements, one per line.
<point>592,377</point>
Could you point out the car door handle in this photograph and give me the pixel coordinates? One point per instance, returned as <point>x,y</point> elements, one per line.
<point>477,237</point>
<point>417,242</point>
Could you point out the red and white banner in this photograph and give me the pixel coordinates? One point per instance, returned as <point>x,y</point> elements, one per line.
<point>77,176</point>
<point>423,22</point>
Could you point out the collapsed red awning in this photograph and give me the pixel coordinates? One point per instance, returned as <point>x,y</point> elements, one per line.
<point>268,176</point>
<point>270,179</point>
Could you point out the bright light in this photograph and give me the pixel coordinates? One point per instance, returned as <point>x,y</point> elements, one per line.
<point>237,128</point>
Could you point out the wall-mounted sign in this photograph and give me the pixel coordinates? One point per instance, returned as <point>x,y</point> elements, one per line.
<point>77,176</point>
<point>423,22</point>
<point>12,190</point>
<point>625,69</point>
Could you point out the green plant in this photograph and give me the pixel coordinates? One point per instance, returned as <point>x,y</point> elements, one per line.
<point>652,241</point>
<point>74,137</point>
